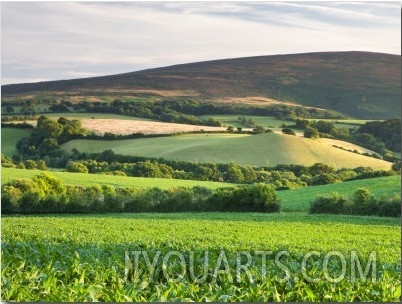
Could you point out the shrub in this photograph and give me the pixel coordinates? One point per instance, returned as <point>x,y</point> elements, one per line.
<point>363,202</point>
<point>311,133</point>
<point>76,167</point>
<point>389,206</point>
<point>333,203</point>
<point>288,131</point>
<point>324,179</point>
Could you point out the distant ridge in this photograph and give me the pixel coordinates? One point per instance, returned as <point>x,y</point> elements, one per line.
<point>358,84</point>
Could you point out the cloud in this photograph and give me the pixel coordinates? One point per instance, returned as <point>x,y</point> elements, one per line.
<point>62,40</point>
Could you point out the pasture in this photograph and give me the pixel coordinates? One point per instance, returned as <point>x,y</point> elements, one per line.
<point>10,137</point>
<point>232,120</point>
<point>255,150</point>
<point>84,179</point>
<point>86,258</point>
<point>300,199</point>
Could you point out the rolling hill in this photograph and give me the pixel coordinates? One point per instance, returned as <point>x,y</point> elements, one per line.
<point>358,84</point>
<point>256,150</point>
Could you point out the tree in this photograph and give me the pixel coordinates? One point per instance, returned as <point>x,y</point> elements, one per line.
<point>46,129</point>
<point>324,126</point>
<point>321,169</point>
<point>311,133</point>
<point>234,174</point>
<point>288,131</point>
<point>302,123</point>
<point>76,167</point>
<point>258,129</point>
<point>230,129</point>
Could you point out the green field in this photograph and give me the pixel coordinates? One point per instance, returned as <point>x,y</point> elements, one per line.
<point>83,179</point>
<point>232,120</point>
<point>82,258</point>
<point>256,150</point>
<point>299,199</point>
<point>9,138</point>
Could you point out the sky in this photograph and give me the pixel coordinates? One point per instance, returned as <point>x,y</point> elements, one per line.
<point>43,41</point>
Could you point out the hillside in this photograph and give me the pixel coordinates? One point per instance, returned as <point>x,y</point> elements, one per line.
<point>84,179</point>
<point>256,150</point>
<point>359,84</point>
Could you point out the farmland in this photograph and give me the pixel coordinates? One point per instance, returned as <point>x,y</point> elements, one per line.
<point>255,150</point>
<point>66,258</point>
<point>9,138</point>
<point>89,252</point>
<point>232,120</point>
<point>300,199</point>
<point>118,124</point>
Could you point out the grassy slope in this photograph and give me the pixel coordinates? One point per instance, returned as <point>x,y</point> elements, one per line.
<point>365,85</point>
<point>232,120</point>
<point>68,178</point>
<point>256,150</point>
<point>9,138</point>
<point>299,199</point>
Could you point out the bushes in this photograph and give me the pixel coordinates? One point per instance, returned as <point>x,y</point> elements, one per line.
<point>46,194</point>
<point>255,198</point>
<point>76,167</point>
<point>333,204</point>
<point>362,203</point>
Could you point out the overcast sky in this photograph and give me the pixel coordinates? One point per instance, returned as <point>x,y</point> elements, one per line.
<point>64,40</point>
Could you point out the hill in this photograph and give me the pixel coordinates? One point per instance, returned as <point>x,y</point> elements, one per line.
<point>358,84</point>
<point>255,150</point>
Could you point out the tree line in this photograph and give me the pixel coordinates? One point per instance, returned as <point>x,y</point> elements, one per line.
<point>363,202</point>
<point>282,177</point>
<point>47,194</point>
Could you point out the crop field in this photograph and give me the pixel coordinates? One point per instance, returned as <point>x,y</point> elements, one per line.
<point>117,124</point>
<point>255,150</point>
<point>84,179</point>
<point>92,258</point>
<point>299,199</point>
<point>9,138</point>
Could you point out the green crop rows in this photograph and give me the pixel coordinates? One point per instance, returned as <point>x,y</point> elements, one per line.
<point>82,258</point>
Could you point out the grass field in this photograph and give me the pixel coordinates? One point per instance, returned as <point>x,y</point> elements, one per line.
<point>68,178</point>
<point>299,199</point>
<point>9,138</point>
<point>232,120</point>
<point>255,150</point>
<point>83,258</point>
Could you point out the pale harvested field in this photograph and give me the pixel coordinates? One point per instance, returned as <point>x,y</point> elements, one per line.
<point>118,126</point>
<point>122,126</point>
